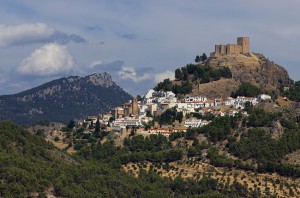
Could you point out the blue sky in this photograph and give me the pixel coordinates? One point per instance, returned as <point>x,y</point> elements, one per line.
<point>139,42</point>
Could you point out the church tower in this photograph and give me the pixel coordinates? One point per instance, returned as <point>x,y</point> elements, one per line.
<point>134,106</point>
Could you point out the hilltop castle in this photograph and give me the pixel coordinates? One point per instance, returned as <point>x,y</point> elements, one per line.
<point>242,46</point>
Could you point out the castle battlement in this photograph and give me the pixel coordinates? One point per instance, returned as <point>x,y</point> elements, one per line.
<point>241,47</point>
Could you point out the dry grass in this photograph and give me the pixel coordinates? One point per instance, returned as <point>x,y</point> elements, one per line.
<point>285,103</point>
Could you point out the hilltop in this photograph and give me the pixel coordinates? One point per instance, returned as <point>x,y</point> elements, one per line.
<point>253,68</point>
<point>226,69</point>
<point>63,99</point>
<point>219,77</point>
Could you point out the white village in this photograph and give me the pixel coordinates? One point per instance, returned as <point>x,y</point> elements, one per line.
<point>136,114</point>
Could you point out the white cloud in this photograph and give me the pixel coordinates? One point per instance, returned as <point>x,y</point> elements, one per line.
<point>33,33</point>
<point>48,60</point>
<point>159,77</point>
<point>12,34</point>
<point>94,63</point>
<point>130,73</point>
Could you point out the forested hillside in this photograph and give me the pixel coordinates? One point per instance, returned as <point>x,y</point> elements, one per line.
<point>29,166</point>
<point>63,99</point>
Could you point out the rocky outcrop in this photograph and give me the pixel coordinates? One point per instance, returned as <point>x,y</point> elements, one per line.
<point>276,130</point>
<point>102,79</point>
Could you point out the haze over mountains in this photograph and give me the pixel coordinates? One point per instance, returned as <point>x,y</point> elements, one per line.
<point>63,99</point>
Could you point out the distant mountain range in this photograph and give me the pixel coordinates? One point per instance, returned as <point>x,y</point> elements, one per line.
<point>63,99</point>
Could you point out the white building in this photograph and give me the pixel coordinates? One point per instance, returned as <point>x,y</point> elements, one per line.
<point>149,94</point>
<point>128,121</point>
<point>195,99</point>
<point>263,97</point>
<point>192,123</point>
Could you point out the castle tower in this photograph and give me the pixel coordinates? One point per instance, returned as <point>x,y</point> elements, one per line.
<point>134,106</point>
<point>245,43</point>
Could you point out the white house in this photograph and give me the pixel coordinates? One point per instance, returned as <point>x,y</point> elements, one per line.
<point>192,123</point>
<point>195,99</point>
<point>149,94</point>
<point>263,97</point>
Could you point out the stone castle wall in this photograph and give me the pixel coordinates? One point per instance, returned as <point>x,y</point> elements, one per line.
<point>242,46</point>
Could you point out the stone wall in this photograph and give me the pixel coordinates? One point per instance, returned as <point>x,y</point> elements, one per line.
<point>242,46</point>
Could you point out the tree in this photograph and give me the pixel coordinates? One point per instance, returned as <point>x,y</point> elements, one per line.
<point>200,58</point>
<point>178,74</point>
<point>248,90</point>
<point>166,85</point>
<point>139,98</point>
<point>203,57</point>
<point>71,124</point>
<point>185,73</point>
<point>179,117</point>
<point>91,125</point>
<point>148,113</point>
<point>294,92</point>
<point>197,59</point>
<point>97,127</point>
<point>206,78</point>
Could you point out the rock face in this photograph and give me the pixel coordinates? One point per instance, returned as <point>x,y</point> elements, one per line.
<point>251,67</point>
<point>276,130</point>
<point>63,99</point>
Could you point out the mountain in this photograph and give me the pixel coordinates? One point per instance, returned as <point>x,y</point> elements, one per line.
<point>63,99</point>
<point>221,76</point>
<point>253,68</point>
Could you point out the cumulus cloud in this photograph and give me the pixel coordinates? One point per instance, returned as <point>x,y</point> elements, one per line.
<point>159,77</point>
<point>138,75</point>
<point>48,60</point>
<point>95,63</point>
<point>102,66</point>
<point>130,73</point>
<point>11,35</point>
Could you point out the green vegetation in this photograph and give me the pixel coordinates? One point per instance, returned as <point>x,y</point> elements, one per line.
<point>260,118</point>
<point>294,92</point>
<point>203,73</point>
<point>248,90</point>
<point>268,152</point>
<point>169,117</point>
<point>30,164</point>
<point>61,105</point>
<point>198,58</point>
<point>219,128</point>
<point>193,74</point>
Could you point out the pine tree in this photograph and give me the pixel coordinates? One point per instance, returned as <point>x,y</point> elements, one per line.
<point>97,127</point>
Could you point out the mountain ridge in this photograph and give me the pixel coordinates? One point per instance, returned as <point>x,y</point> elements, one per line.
<point>63,99</point>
